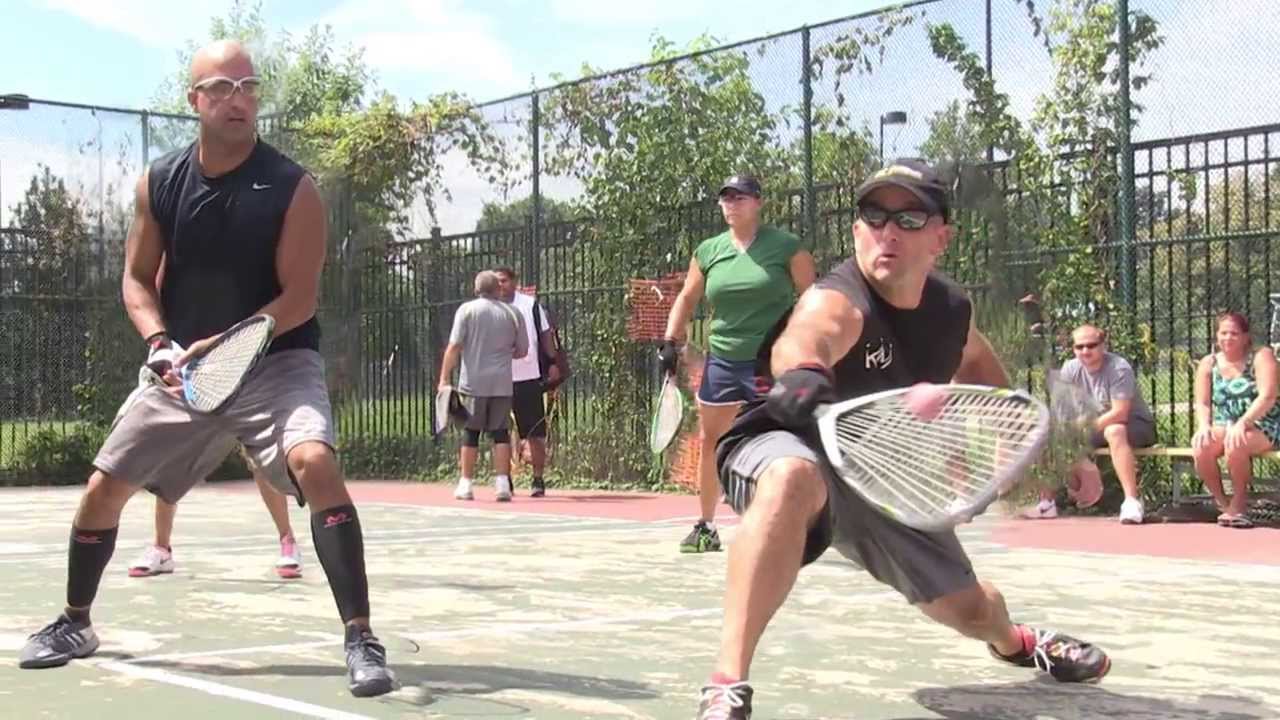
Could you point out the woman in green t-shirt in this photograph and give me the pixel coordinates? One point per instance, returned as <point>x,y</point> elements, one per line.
<point>751,275</point>
<point>1236,415</point>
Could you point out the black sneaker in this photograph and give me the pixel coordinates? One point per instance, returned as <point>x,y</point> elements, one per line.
<point>539,488</point>
<point>725,702</point>
<point>701,539</point>
<point>58,643</point>
<point>1062,656</point>
<point>367,673</point>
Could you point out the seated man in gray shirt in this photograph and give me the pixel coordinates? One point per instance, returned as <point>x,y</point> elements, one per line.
<point>1124,422</point>
<point>487,334</point>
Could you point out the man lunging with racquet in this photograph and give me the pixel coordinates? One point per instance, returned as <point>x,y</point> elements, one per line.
<point>242,232</point>
<point>883,319</point>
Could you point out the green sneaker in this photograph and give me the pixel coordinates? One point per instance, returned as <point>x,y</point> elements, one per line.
<point>702,538</point>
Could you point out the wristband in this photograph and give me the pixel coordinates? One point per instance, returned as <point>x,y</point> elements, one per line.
<point>818,368</point>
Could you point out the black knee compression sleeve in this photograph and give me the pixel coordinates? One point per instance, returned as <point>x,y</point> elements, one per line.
<point>471,439</point>
<point>340,547</point>
<point>87,557</point>
<point>500,437</point>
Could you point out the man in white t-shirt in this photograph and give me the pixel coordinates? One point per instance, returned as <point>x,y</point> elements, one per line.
<point>526,375</point>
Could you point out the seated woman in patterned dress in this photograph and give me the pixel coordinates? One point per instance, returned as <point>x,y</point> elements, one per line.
<point>1236,415</point>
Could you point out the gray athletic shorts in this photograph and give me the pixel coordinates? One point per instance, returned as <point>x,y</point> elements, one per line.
<point>159,444</point>
<point>1141,434</point>
<point>488,413</point>
<point>922,566</point>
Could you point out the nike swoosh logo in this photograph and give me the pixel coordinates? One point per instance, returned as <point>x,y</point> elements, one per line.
<point>256,186</point>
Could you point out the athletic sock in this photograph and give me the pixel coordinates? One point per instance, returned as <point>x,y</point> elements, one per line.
<point>1028,639</point>
<point>87,557</point>
<point>340,547</point>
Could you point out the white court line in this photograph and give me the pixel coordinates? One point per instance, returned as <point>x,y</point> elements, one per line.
<point>27,548</point>
<point>499,630</point>
<point>283,647</point>
<point>393,537</point>
<point>137,667</point>
<point>721,520</point>
<point>227,691</point>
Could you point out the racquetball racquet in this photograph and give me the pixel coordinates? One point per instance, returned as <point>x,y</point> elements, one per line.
<point>934,473</point>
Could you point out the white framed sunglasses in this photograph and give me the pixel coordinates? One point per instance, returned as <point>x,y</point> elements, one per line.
<point>221,87</point>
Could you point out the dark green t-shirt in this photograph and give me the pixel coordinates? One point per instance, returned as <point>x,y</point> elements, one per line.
<point>748,291</point>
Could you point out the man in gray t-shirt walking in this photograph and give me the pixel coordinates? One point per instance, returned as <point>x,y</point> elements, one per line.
<point>487,334</point>
<point>1123,422</point>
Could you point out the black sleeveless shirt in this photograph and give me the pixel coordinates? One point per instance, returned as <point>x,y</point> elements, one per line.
<point>220,237</point>
<point>897,347</point>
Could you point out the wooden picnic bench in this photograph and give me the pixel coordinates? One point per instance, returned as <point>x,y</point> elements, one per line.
<point>1184,455</point>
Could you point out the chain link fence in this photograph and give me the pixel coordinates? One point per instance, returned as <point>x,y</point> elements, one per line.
<point>612,178</point>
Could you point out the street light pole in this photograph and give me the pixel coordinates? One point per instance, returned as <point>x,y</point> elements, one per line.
<point>893,117</point>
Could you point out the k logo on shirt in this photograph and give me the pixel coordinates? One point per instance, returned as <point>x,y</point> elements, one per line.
<point>881,357</point>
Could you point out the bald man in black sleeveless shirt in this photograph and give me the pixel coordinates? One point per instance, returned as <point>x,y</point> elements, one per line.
<point>241,230</point>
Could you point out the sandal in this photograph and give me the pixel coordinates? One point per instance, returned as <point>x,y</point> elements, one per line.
<point>1239,522</point>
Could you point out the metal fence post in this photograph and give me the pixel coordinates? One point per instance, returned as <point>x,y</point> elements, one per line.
<point>533,243</point>
<point>146,138</point>
<point>810,197</point>
<point>991,150</point>
<point>1125,210</point>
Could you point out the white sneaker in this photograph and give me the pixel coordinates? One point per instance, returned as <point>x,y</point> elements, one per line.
<point>154,560</point>
<point>289,566</point>
<point>503,487</point>
<point>1044,510</point>
<point>1131,511</point>
<point>463,491</point>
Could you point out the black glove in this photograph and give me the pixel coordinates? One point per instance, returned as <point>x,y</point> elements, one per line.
<point>796,394</point>
<point>668,355</point>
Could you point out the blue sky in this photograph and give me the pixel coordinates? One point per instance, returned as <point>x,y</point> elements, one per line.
<point>117,52</point>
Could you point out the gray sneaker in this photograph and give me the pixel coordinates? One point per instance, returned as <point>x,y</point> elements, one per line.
<point>367,673</point>
<point>58,643</point>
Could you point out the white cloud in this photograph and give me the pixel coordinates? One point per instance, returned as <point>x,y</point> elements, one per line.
<point>151,23</point>
<point>429,36</point>
<point>625,14</point>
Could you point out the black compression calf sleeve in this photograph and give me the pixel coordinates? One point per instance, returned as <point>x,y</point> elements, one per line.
<point>340,547</point>
<point>87,557</point>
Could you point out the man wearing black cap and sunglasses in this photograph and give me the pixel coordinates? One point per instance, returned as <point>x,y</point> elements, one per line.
<point>751,275</point>
<point>883,319</point>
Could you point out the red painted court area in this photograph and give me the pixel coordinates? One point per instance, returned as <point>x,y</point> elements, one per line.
<point>579,503</point>
<point>1193,541</point>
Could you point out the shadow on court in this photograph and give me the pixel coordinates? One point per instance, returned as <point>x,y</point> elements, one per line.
<point>1049,699</point>
<point>439,679</point>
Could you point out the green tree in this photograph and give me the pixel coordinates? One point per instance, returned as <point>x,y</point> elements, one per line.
<point>1062,162</point>
<point>50,239</point>
<point>649,148</point>
<point>516,214</point>
<point>954,136</point>
<point>649,142</point>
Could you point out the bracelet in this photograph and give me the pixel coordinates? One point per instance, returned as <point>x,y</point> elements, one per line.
<point>152,339</point>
